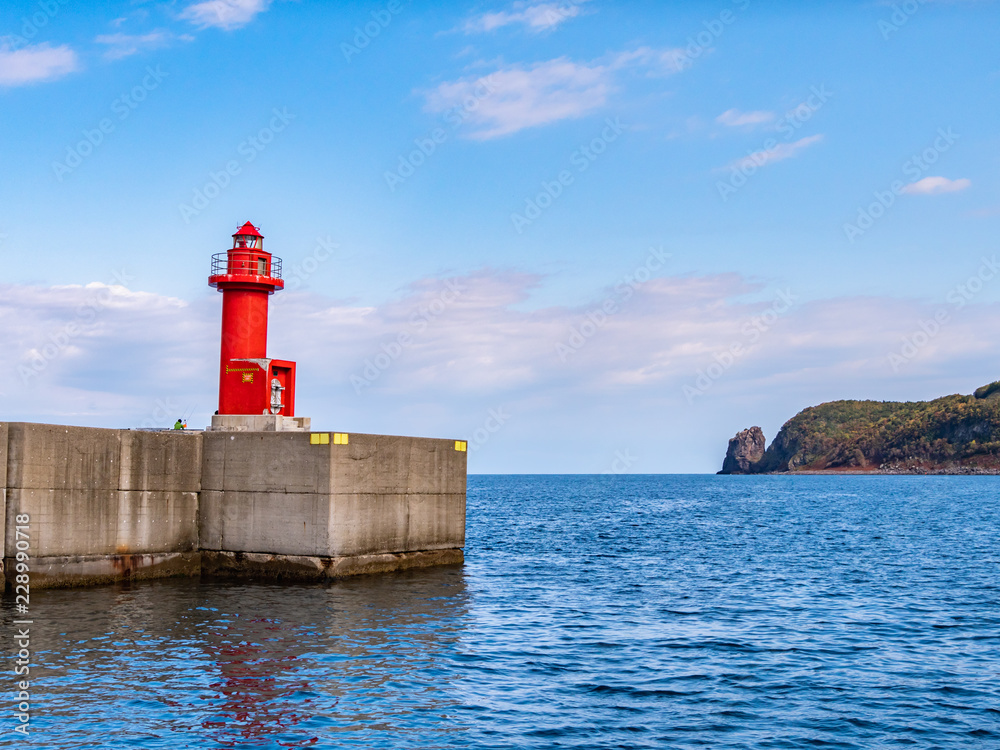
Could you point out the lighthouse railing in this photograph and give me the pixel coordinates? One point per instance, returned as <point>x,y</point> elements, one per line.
<point>238,263</point>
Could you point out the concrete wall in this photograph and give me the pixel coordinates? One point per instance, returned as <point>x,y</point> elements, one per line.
<point>111,504</point>
<point>127,497</point>
<point>278,493</point>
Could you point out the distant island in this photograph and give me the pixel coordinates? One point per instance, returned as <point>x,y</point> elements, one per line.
<point>950,435</point>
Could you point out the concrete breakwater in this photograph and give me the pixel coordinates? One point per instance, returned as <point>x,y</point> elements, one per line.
<point>89,505</point>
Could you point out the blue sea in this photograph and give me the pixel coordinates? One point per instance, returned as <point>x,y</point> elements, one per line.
<point>591,612</point>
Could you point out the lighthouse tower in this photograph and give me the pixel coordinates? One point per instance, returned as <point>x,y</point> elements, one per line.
<point>250,383</point>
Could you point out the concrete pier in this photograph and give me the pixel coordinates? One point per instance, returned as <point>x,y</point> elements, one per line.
<point>106,505</point>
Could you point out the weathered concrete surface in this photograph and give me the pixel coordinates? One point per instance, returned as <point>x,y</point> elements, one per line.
<point>92,492</point>
<point>65,522</point>
<point>377,523</point>
<point>87,570</point>
<point>53,457</point>
<point>258,423</point>
<point>311,568</point>
<point>155,521</point>
<point>113,504</point>
<point>280,494</point>
<point>105,522</point>
<point>282,462</point>
<point>280,523</point>
<point>387,463</point>
<point>161,461</point>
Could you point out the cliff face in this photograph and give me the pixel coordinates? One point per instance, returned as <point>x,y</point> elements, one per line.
<point>953,433</point>
<point>745,450</point>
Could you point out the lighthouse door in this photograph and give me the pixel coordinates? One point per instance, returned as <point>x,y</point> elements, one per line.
<point>276,389</point>
<point>283,371</point>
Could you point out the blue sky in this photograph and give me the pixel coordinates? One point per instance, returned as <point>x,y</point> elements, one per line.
<point>618,233</point>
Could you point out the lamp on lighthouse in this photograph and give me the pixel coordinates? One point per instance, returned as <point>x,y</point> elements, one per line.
<point>248,237</point>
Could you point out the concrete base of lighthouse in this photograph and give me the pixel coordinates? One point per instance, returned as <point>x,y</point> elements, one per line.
<point>259,423</point>
<point>84,505</point>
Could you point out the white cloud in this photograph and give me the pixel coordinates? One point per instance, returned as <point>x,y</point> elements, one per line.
<point>224,14</point>
<point>489,341</point>
<point>536,17</point>
<point>34,63</point>
<point>936,186</point>
<point>778,152</point>
<point>734,118</point>
<point>125,45</point>
<point>658,62</point>
<point>83,354</point>
<point>517,97</point>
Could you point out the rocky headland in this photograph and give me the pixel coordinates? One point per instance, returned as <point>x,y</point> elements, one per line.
<point>950,435</point>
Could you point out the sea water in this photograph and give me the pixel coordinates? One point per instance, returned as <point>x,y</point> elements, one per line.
<point>591,612</point>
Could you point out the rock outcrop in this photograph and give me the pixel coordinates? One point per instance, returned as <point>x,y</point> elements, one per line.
<point>955,434</point>
<point>745,450</point>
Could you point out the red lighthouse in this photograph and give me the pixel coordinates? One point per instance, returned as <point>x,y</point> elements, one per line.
<point>249,382</point>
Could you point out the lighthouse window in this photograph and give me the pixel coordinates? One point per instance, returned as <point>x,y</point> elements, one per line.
<point>261,267</point>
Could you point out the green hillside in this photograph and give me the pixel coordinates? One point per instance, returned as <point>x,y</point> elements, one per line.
<point>949,432</point>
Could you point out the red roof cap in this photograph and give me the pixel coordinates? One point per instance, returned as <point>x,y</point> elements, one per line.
<point>250,229</point>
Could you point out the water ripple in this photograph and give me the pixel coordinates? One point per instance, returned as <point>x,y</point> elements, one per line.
<point>592,612</point>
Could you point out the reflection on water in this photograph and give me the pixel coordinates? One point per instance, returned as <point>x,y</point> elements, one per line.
<point>592,612</point>
<point>244,665</point>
